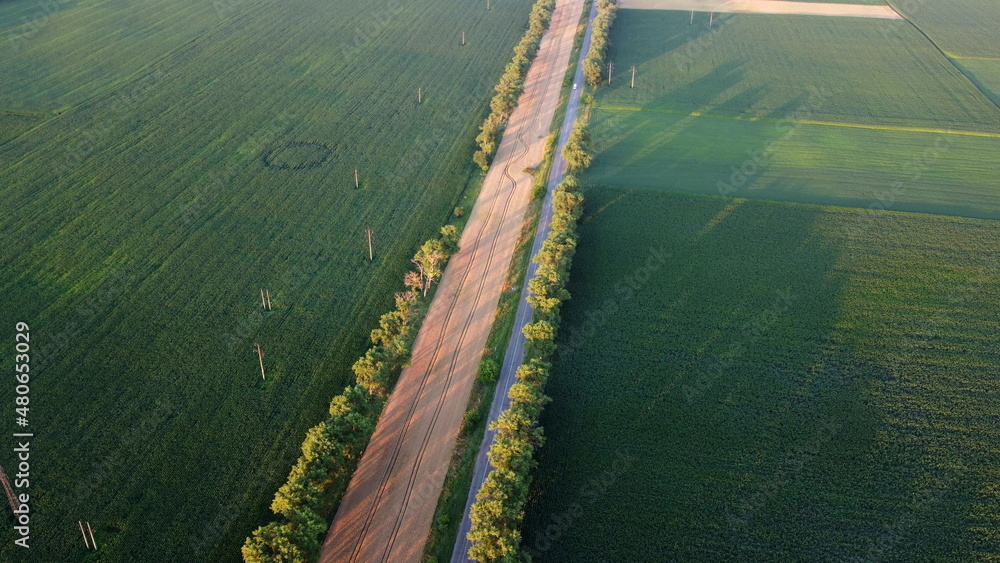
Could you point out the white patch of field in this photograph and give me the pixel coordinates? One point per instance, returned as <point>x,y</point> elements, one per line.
<point>765,7</point>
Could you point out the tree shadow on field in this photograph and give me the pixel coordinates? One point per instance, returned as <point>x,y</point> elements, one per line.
<point>632,129</point>
<point>670,30</point>
<point>723,378</point>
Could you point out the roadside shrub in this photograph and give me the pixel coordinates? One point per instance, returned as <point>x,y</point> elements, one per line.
<point>471,418</point>
<point>538,191</point>
<point>489,371</point>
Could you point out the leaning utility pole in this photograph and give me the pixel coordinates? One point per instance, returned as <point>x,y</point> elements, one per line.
<point>92,540</point>
<point>357,182</point>
<point>84,534</point>
<point>268,299</point>
<point>11,499</point>
<point>260,357</point>
<point>263,304</point>
<point>633,77</point>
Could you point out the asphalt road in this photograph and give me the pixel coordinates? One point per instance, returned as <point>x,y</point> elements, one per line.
<point>514,356</point>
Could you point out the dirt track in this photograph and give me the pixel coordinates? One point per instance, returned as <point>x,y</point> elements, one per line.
<point>386,513</point>
<point>765,7</point>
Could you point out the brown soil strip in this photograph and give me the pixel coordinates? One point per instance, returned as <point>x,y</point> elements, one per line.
<point>765,7</point>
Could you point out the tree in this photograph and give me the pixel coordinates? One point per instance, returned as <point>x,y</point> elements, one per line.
<point>496,516</point>
<point>273,543</point>
<point>567,203</point>
<point>430,261</point>
<point>593,72</point>
<point>391,326</point>
<point>414,281</point>
<point>449,239</point>
<point>373,372</point>
<point>489,371</point>
<point>541,339</point>
<point>481,159</point>
<point>529,397</point>
<point>406,303</point>
<point>577,149</point>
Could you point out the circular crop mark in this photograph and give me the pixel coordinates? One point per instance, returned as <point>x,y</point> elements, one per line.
<point>298,155</point>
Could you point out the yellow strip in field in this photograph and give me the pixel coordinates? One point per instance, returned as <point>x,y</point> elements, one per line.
<point>814,122</point>
<point>962,58</point>
<point>766,7</point>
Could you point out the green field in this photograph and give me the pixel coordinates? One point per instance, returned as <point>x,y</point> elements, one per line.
<point>959,27</point>
<point>764,66</point>
<point>986,74</point>
<point>745,380</point>
<point>67,51</point>
<point>803,109</point>
<point>195,161</point>
<point>13,124</point>
<point>900,170</point>
<point>756,381</point>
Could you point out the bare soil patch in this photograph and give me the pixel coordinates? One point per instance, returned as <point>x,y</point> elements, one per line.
<point>765,7</point>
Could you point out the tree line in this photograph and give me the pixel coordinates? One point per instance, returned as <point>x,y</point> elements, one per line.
<point>595,63</point>
<point>511,83</point>
<point>332,448</point>
<point>499,508</point>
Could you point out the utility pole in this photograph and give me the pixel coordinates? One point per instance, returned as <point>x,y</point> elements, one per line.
<point>487,5</point>
<point>463,38</point>
<point>263,305</point>
<point>692,18</point>
<point>711,16</point>
<point>84,534</point>
<point>268,299</point>
<point>92,540</point>
<point>420,96</point>
<point>611,68</point>
<point>371,250</point>
<point>11,499</point>
<point>357,182</point>
<point>260,356</point>
<point>633,77</point>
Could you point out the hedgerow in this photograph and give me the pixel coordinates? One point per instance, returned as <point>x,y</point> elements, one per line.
<point>511,83</point>
<point>499,508</point>
<point>594,64</point>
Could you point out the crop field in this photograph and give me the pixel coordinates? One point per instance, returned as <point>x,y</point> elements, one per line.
<point>960,27</point>
<point>777,160</point>
<point>754,381</point>
<point>825,111</point>
<point>13,124</point>
<point>986,74</point>
<point>145,215</point>
<point>762,66</point>
<point>65,52</point>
